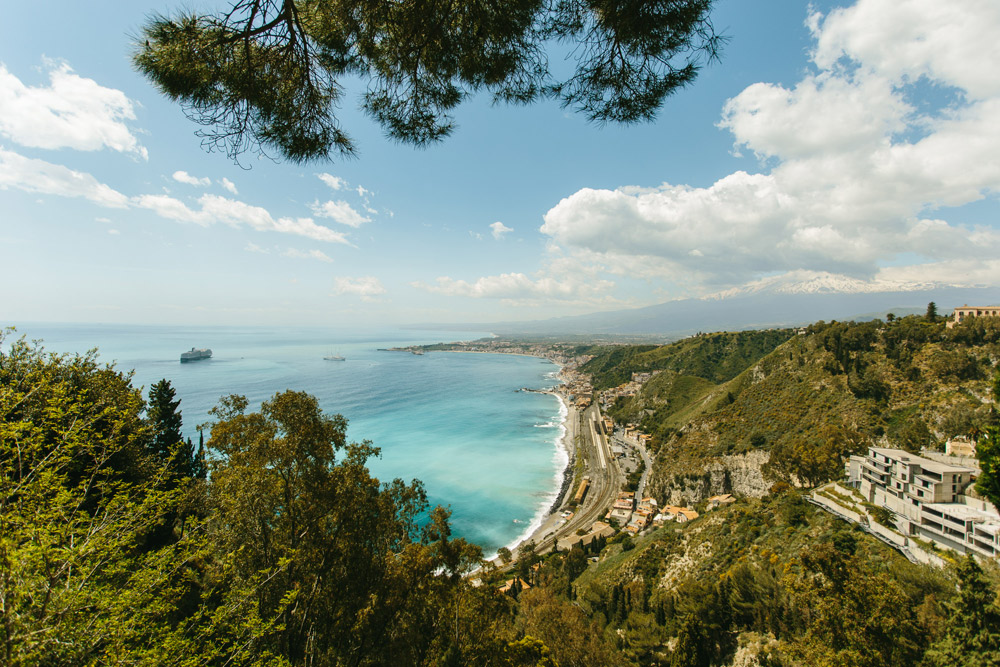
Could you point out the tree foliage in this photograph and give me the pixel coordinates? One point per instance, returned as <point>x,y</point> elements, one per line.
<point>988,454</point>
<point>167,443</point>
<point>78,498</point>
<point>268,74</point>
<point>931,315</point>
<point>295,555</point>
<point>972,633</point>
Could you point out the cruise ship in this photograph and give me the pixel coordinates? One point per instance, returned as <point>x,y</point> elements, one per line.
<point>195,354</point>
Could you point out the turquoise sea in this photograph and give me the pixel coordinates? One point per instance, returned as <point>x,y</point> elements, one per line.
<point>453,420</point>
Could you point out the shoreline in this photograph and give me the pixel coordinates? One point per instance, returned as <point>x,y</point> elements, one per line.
<point>544,521</point>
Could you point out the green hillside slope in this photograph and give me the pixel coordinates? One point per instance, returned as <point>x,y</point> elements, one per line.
<point>715,357</point>
<point>765,582</point>
<point>795,413</point>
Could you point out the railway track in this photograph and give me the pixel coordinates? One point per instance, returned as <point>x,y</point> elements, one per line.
<point>605,481</point>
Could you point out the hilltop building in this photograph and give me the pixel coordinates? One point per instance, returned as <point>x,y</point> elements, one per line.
<point>973,311</point>
<point>960,446</point>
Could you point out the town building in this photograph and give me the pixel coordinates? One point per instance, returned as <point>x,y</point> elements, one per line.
<point>674,513</point>
<point>716,502</point>
<point>598,530</point>
<point>513,587</point>
<point>685,515</point>
<point>620,516</point>
<point>960,446</point>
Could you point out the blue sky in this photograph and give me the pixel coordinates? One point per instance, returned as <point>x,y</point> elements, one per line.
<point>853,145</point>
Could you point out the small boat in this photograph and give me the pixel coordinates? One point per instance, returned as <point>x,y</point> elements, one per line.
<point>334,357</point>
<point>194,354</point>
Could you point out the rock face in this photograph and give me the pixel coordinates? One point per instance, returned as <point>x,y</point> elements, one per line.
<point>738,474</point>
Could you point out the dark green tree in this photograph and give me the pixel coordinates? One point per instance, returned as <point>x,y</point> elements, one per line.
<point>931,315</point>
<point>199,468</point>
<point>167,445</point>
<point>693,646</point>
<point>268,74</point>
<point>988,453</point>
<point>526,558</point>
<point>575,562</point>
<point>972,633</point>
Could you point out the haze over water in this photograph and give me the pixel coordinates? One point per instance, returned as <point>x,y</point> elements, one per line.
<point>455,421</point>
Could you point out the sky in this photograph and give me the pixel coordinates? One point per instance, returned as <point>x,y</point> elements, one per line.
<point>856,144</point>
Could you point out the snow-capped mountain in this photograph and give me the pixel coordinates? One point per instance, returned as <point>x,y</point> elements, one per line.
<point>821,282</point>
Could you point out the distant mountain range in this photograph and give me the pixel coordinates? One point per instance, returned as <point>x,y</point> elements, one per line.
<point>764,304</point>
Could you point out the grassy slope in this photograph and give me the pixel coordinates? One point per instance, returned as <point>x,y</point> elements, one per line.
<point>714,357</point>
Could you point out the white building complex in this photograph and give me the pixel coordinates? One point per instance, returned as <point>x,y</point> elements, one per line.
<point>929,501</point>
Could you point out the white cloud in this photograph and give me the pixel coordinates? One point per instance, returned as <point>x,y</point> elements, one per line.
<point>253,247</point>
<point>71,112</point>
<point>30,175</point>
<point>771,120</point>
<point>953,43</point>
<point>499,229</point>
<point>114,232</point>
<point>184,177</point>
<point>229,185</point>
<point>216,209</point>
<point>340,211</point>
<point>956,272</point>
<point>363,192</point>
<point>307,254</point>
<point>333,182</point>
<point>168,207</point>
<point>368,288</point>
<point>859,159</point>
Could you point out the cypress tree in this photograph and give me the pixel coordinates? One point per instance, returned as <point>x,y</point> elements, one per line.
<point>167,445</point>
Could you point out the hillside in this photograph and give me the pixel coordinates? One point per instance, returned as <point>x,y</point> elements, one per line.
<point>716,357</point>
<point>794,413</point>
<point>765,582</point>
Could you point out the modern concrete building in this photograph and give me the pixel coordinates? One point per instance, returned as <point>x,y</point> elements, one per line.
<point>928,499</point>
<point>902,481</point>
<point>973,311</point>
